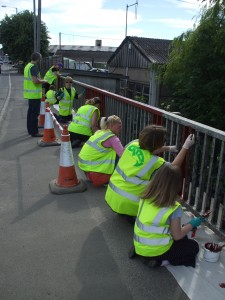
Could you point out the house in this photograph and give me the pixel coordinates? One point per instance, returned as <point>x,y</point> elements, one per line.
<point>135,58</point>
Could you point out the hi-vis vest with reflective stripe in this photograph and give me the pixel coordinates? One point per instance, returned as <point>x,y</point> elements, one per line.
<point>82,120</point>
<point>152,235</point>
<point>94,157</point>
<point>50,76</point>
<point>50,97</point>
<point>130,178</point>
<point>31,90</point>
<point>66,103</point>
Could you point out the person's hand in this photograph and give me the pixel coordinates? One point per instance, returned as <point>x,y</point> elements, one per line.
<point>189,141</point>
<point>195,222</point>
<point>173,148</point>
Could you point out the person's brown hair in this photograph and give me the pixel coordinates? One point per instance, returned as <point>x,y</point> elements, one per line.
<point>164,187</point>
<point>93,101</point>
<point>106,122</point>
<point>152,137</point>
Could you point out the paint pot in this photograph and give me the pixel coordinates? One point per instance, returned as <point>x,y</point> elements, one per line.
<point>211,256</point>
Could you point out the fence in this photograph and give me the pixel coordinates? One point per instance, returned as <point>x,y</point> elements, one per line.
<point>204,168</point>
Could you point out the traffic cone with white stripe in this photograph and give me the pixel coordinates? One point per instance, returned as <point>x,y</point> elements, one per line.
<point>41,118</point>
<point>49,138</point>
<point>67,181</point>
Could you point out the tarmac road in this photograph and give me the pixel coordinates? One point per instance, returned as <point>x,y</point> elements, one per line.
<point>61,247</point>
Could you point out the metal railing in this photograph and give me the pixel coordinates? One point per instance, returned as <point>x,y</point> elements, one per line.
<point>204,167</point>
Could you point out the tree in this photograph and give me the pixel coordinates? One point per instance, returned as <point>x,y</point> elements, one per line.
<point>17,36</point>
<point>196,70</point>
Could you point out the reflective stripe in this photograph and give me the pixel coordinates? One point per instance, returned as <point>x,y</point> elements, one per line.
<point>134,180</point>
<point>123,193</point>
<point>94,144</point>
<point>33,91</point>
<point>28,78</point>
<point>152,242</point>
<point>152,229</point>
<point>81,123</point>
<point>148,166</point>
<point>99,149</point>
<point>92,163</point>
<point>64,108</point>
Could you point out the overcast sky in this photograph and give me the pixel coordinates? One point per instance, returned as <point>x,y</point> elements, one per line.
<point>81,22</point>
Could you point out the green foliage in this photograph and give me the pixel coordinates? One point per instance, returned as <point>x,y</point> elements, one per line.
<point>196,70</point>
<point>141,99</point>
<point>17,36</point>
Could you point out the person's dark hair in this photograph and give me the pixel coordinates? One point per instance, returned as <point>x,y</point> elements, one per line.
<point>52,87</point>
<point>35,56</point>
<point>164,187</point>
<point>152,137</point>
<point>93,101</point>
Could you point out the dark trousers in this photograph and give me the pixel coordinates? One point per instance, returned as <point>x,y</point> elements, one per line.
<point>32,115</point>
<point>182,252</point>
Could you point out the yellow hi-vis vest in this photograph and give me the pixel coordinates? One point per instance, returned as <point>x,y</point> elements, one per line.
<point>152,236</point>
<point>50,97</point>
<point>130,178</point>
<point>82,120</point>
<point>66,103</point>
<point>94,157</point>
<point>31,90</point>
<point>50,76</point>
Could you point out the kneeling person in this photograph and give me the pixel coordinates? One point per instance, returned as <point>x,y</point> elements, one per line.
<point>101,152</point>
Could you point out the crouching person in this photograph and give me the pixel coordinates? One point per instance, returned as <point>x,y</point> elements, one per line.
<point>101,152</point>
<point>159,237</point>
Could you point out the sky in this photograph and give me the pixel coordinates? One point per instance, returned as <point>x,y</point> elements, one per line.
<point>82,22</point>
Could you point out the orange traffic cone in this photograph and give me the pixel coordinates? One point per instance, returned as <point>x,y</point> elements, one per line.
<point>49,138</point>
<point>67,181</point>
<point>41,118</point>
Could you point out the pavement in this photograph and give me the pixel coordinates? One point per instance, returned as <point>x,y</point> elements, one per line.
<point>61,247</point>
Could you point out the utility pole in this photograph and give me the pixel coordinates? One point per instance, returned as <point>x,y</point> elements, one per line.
<point>35,27</point>
<point>39,27</point>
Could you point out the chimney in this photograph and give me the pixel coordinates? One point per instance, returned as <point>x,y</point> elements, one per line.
<point>98,43</point>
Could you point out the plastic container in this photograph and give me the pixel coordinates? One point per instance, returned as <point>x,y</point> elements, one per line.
<point>211,256</point>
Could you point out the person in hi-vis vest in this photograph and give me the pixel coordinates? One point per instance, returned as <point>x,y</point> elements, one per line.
<point>51,75</point>
<point>65,97</point>
<point>136,167</point>
<point>159,239</point>
<point>33,93</point>
<point>85,122</point>
<point>100,154</point>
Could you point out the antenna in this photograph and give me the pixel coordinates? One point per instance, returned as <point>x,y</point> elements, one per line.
<point>136,5</point>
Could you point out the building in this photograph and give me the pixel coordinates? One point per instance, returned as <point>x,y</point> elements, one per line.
<point>135,58</point>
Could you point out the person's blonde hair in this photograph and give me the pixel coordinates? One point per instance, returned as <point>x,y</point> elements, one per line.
<point>164,187</point>
<point>68,78</point>
<point>93,101</point>
<point>152,137</point>
<point>107,122</point>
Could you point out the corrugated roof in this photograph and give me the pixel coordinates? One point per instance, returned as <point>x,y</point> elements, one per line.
<point>155,50</point>
<point>54,48</point>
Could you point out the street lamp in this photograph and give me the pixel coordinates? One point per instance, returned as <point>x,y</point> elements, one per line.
<point>10,7</point>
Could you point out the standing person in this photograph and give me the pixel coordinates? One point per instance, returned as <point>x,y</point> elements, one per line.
<point>66,97</point>
<point>51,76</point>
<point>85,122</point>
<point>158,236</point>
<point>136,167</point>
<point>100,154</point>
<point>33,92</point>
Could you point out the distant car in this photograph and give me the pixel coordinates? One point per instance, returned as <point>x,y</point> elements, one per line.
<point>99,70</point>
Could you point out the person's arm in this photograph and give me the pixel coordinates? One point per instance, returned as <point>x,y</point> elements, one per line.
<point>165,149</point>
<point>94,122</point>
<point>177,231</point>
<point>34,75</point>
<point>181,155</point>
<point>115,143</point>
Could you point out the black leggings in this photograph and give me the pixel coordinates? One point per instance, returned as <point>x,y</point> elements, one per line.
<point>182,252</point>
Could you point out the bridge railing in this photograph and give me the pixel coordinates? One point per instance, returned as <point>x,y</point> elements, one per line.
<point>204,167</point>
